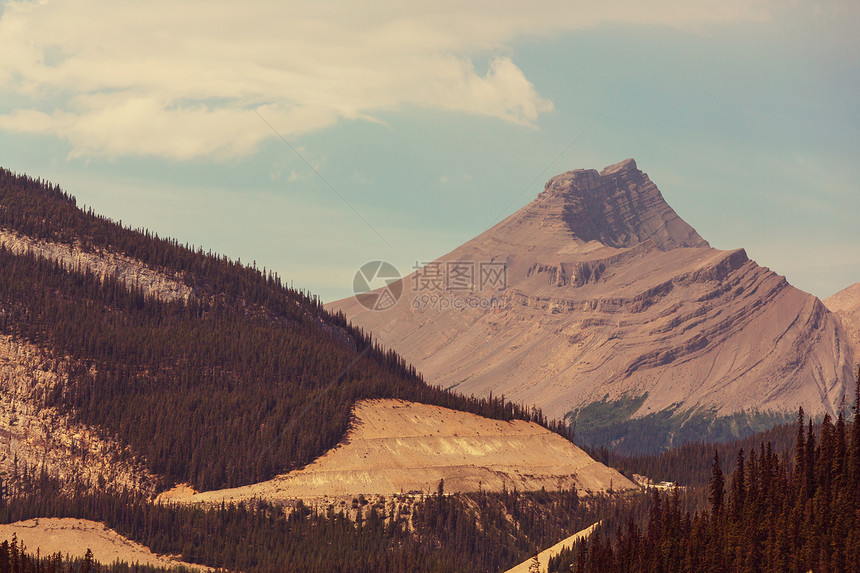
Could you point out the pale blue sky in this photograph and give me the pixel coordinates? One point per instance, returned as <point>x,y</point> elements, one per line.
<point>435,123</point>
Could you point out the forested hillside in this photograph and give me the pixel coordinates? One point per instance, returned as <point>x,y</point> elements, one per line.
<point>792,513</point>
<point>245,379</point>
<point>439,533</point>
<point>17,558</point>
<point>690,464</point>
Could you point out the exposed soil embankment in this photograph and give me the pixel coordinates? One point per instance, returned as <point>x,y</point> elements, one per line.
<point>74,536</point>
<point>396,446</point>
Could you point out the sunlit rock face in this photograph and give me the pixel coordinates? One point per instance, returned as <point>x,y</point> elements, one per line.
<point>846,306</point>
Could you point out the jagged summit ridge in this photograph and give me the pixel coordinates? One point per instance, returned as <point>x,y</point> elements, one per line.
<point>628,164</point>
<point>618,207</point>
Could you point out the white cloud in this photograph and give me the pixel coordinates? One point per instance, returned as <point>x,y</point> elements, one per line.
<point>183,79</point>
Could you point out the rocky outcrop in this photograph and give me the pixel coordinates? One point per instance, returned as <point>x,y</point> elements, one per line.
<point>619,207</point>
<point>610,295</point>
<point>846,306</point>
<point>104,264</point>
<point>33,437</point>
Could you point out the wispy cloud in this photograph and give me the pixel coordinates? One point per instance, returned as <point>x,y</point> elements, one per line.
<point>184,80</point>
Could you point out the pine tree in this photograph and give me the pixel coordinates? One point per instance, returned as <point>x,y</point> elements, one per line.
<point>655,518</point>
<point>739,488</point>
<point>810,462</point>
<point>800,456</point>
<point>717,486</point>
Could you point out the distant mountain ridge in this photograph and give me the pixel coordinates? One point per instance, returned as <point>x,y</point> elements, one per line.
<point>616,313</point>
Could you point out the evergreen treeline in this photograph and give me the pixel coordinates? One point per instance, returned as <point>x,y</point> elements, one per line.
<point>15,558</point>
<point>245,380</point>
<point>439,533</point>
<point>690,464</point>
<point>792,513</point>
<point>610,424</point>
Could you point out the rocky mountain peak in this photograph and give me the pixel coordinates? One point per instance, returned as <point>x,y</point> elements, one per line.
<point>604,311</point>
<point>620,167</point>
<point>618,206</point>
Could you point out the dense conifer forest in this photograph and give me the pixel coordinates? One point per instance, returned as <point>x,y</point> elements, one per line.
<point>690,464</point>
<point>783,513</point>
<point>437,533</point>
<point>245,380</point>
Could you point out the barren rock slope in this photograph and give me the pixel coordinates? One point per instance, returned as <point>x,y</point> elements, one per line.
<point>33,436</point>
<point>846,306</point>
<point>104,264</point>
<point>609,294</point>
<point>396,446</point>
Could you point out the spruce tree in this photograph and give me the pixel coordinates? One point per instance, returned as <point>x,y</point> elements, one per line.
<point>738,487</point>
<point>717,486</point>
